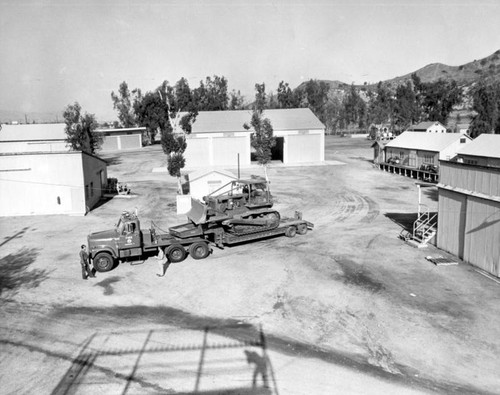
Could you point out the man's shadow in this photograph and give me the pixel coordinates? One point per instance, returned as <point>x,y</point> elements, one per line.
<point>260,368</point>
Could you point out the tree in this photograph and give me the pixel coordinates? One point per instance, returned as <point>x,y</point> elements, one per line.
<point>353,112</point>
<point>123,103</point>
<point>406,108</point>
<point>261,139</point>
<point>260,97</point>
<point>286,97</point>
<point>486,104</point>
<point>381,107</point>
<point>152,113</point>
<point>173,134</point>
<point>236,100</point>
<point>80,129</point>
<point>211,95</point>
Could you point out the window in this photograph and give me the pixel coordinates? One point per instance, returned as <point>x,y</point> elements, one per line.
<point>91,189</point>
<point>462,140</point>
<point>86,191</point>
<point>428,158</point>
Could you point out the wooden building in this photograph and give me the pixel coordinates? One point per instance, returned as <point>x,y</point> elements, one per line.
<point>469,204</point>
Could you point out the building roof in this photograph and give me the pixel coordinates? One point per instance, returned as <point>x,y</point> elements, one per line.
<point>33,132</point>
<point>120,130</point>
<point>485,145</point>
<point>425,125</point>
<point>232,121</point>
<point>435,142</point>
<point>201,173</point>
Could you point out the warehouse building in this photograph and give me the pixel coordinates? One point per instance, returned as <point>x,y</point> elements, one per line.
<point>469,204</point>
<point>121,138</point>
<point>39,174</point>
<point>218,138</point>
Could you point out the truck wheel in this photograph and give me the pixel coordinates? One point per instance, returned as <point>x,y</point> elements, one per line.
<point>302,229</point>
<point>175,253</point>
<point>291,231</point>
<point>199,250</point>
<point>103,262</point>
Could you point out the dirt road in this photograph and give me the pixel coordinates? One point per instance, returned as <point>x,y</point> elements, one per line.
<point>346,308</point>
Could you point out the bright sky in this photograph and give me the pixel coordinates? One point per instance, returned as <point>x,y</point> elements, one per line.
<point>55,52</point>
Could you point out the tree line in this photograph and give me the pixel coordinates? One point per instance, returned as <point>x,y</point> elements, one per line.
<point>170,110</point>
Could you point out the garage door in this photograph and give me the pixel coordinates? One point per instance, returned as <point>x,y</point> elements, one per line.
<point>197,152</point>
<point>451,222</point>
<point>109,143</point>
<point>303,148</point>
<point>130,141</point>
<point>226,150</point>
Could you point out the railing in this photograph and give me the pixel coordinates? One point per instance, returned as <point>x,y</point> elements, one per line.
<point>424,228</point>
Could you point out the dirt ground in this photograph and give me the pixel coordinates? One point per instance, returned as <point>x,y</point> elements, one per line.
<point>347,308</point>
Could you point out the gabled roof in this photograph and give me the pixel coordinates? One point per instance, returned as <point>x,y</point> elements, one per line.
<point>33,132</point>
<point>435,142</point>
<point>425,125</point>
<point>485,145</point>
<point>201,173</point>
<point>232,121</point>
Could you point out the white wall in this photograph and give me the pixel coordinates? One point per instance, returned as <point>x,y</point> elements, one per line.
<point>41,184</point>
<point>206,184</point>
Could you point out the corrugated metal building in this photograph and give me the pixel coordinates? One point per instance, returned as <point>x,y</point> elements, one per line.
<point>121,139</point>
<point>218,137</point>
<point>40,175</point>
<point>415,149</point>
<point>469,204</point>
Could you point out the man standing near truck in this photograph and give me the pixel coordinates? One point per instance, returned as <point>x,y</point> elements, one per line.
<point>84,262</point>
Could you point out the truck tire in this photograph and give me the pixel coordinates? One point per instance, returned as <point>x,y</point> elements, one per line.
<point>103,262</point>
<point>302,229</point>
<point>199,250</point>
<point>291,231</point>
<point>175,253</point>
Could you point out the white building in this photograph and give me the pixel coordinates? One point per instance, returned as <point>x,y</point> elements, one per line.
<point>428,127</point>
<point>40,175</point>
<point>121,138</point>
<point>203,182</point>
<point>218,138</point>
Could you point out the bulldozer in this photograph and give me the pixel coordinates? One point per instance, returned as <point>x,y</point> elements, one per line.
<point>241,207</point>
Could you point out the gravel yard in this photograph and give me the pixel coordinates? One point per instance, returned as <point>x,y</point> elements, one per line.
<point>347,308</point>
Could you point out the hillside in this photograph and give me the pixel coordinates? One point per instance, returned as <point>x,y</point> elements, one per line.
<point>467,74</point>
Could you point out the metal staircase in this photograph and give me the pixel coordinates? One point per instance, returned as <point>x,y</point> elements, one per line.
<point>425,228</point>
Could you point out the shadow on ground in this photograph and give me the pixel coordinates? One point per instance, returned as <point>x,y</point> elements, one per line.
<point>405,220</point>
<point>15,273</point>
<point>244,334</point>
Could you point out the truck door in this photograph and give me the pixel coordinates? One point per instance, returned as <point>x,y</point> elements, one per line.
<point>130,236</point>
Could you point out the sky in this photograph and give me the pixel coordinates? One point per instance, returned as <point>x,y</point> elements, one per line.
<point>56,52</point>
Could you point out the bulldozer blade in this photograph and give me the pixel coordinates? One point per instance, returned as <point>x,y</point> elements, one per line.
<point>198,212</point>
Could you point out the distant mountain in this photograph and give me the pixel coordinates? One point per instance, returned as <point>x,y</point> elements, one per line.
<point>468,74</point>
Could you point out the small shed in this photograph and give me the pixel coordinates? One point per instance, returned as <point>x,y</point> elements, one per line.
<point>121,138</point>
<point>203,182</point>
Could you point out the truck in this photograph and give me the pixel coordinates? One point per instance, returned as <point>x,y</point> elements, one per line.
<point>238,212</point>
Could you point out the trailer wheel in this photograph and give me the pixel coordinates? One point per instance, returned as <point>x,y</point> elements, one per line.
<point>103,262</point>
<point>175,253</point>
<point>199,250</point>
<point>291,231</point>
<point>302,229</point>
